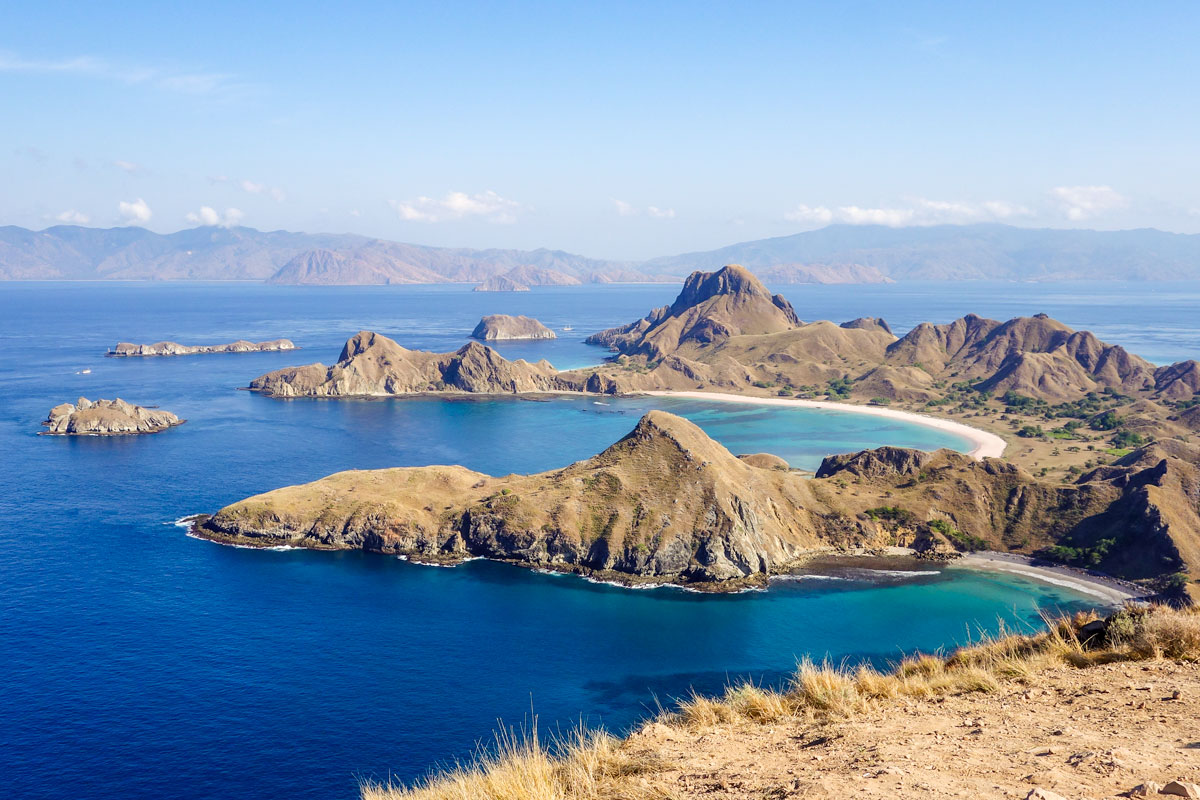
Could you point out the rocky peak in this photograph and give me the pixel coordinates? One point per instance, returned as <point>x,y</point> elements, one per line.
<point>732,279</point>
<point>363,341</point>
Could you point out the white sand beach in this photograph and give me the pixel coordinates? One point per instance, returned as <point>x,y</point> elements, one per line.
<point>1111,591</point>
<point>984,444</point>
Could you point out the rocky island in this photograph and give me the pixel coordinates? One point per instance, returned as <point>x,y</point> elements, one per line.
<point>374,365</point>
<point>127,349</point>
<point>500,283</point>
<point>1102,470</point>
<point>505,326</point>
<point>107,418</point>
<point>667,503</point>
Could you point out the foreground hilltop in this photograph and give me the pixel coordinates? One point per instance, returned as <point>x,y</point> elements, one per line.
<point>1091,708</point>
<point>669,503</point>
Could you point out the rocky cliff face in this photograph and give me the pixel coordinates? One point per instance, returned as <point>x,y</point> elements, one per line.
<point>505,326</point>
<point>107,418</point>
<point>712,307</point>
<point>127,349</point>
<point>374,365</point>
<point>668,503</point>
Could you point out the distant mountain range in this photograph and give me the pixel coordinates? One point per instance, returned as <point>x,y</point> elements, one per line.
<point>836,254</point>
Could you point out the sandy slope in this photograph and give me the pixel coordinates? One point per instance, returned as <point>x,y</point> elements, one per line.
<point>1082,733</point>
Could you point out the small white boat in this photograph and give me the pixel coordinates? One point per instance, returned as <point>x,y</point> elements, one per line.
<point>567,328</point>
<point>84,372</point>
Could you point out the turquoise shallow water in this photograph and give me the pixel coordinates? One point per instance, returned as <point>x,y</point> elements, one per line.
<point>140,663</point>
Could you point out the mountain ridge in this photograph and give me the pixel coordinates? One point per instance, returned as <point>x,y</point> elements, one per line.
<point>834,254</point>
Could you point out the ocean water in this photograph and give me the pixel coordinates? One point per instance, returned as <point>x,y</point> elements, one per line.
<point>141,663</point>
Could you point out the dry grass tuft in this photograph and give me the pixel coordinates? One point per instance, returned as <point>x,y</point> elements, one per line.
<point>757,704</point>
<point>825,688</point>
<point>589,765</point>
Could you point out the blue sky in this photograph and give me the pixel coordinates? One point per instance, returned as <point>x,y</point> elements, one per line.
<point>610,129</point>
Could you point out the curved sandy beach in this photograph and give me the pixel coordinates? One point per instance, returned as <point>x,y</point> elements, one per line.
<point>1109,590</point>
<point>984,444</point>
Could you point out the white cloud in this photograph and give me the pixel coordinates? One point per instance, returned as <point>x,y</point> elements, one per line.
<point>624,209</point>
<point>207,215</point>
<point>661,213</point>
<point>88,66</point>
<point>73,217</point>
<point>1083,202</point>
<point>458,205</point>
<point>893,217</point>
<point>916,211</point>
<point>137,211</point>
<point>812,214</point>
<point>254,187</point>
<point>128,166</point>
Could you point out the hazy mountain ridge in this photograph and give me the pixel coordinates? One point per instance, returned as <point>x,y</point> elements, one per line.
<point>835,254</point>
<point>68,252</point>
<point>964,252</point>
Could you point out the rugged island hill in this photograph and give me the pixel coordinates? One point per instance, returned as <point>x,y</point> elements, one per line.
<point>1129,504</point>
<point>667,503</point>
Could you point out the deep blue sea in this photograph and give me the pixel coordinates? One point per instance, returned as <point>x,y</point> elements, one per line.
<point>136,662</point>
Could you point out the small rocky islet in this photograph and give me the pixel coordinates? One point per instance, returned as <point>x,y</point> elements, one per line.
<point>131,350</point>
<point>505,326</point>
<point>107,418</point>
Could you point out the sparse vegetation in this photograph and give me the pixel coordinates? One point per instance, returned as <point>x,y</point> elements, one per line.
<point>589,765</point>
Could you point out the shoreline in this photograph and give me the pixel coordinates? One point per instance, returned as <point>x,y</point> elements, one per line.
<point>984,443</point>
<point>1111,591</point>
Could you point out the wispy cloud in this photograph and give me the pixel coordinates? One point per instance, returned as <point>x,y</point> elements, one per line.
<point>171,80</point>
<point>1085,202</point>
<point>73,217</point>
<point>916,211</point>
<point>629,210</point>
<point>254,187</point>
<point>459,205</point>
<point>207,215</point>
<point>128,166</point>
<point>136,211</point>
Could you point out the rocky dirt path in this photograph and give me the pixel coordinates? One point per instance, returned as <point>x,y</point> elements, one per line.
<point>1080,733</point>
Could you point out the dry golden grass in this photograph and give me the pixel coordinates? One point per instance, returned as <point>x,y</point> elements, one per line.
<point>591,765</point>
<point>587,765</point>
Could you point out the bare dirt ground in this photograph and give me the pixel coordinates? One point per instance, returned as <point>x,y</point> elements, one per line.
<point>1081,733</point>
